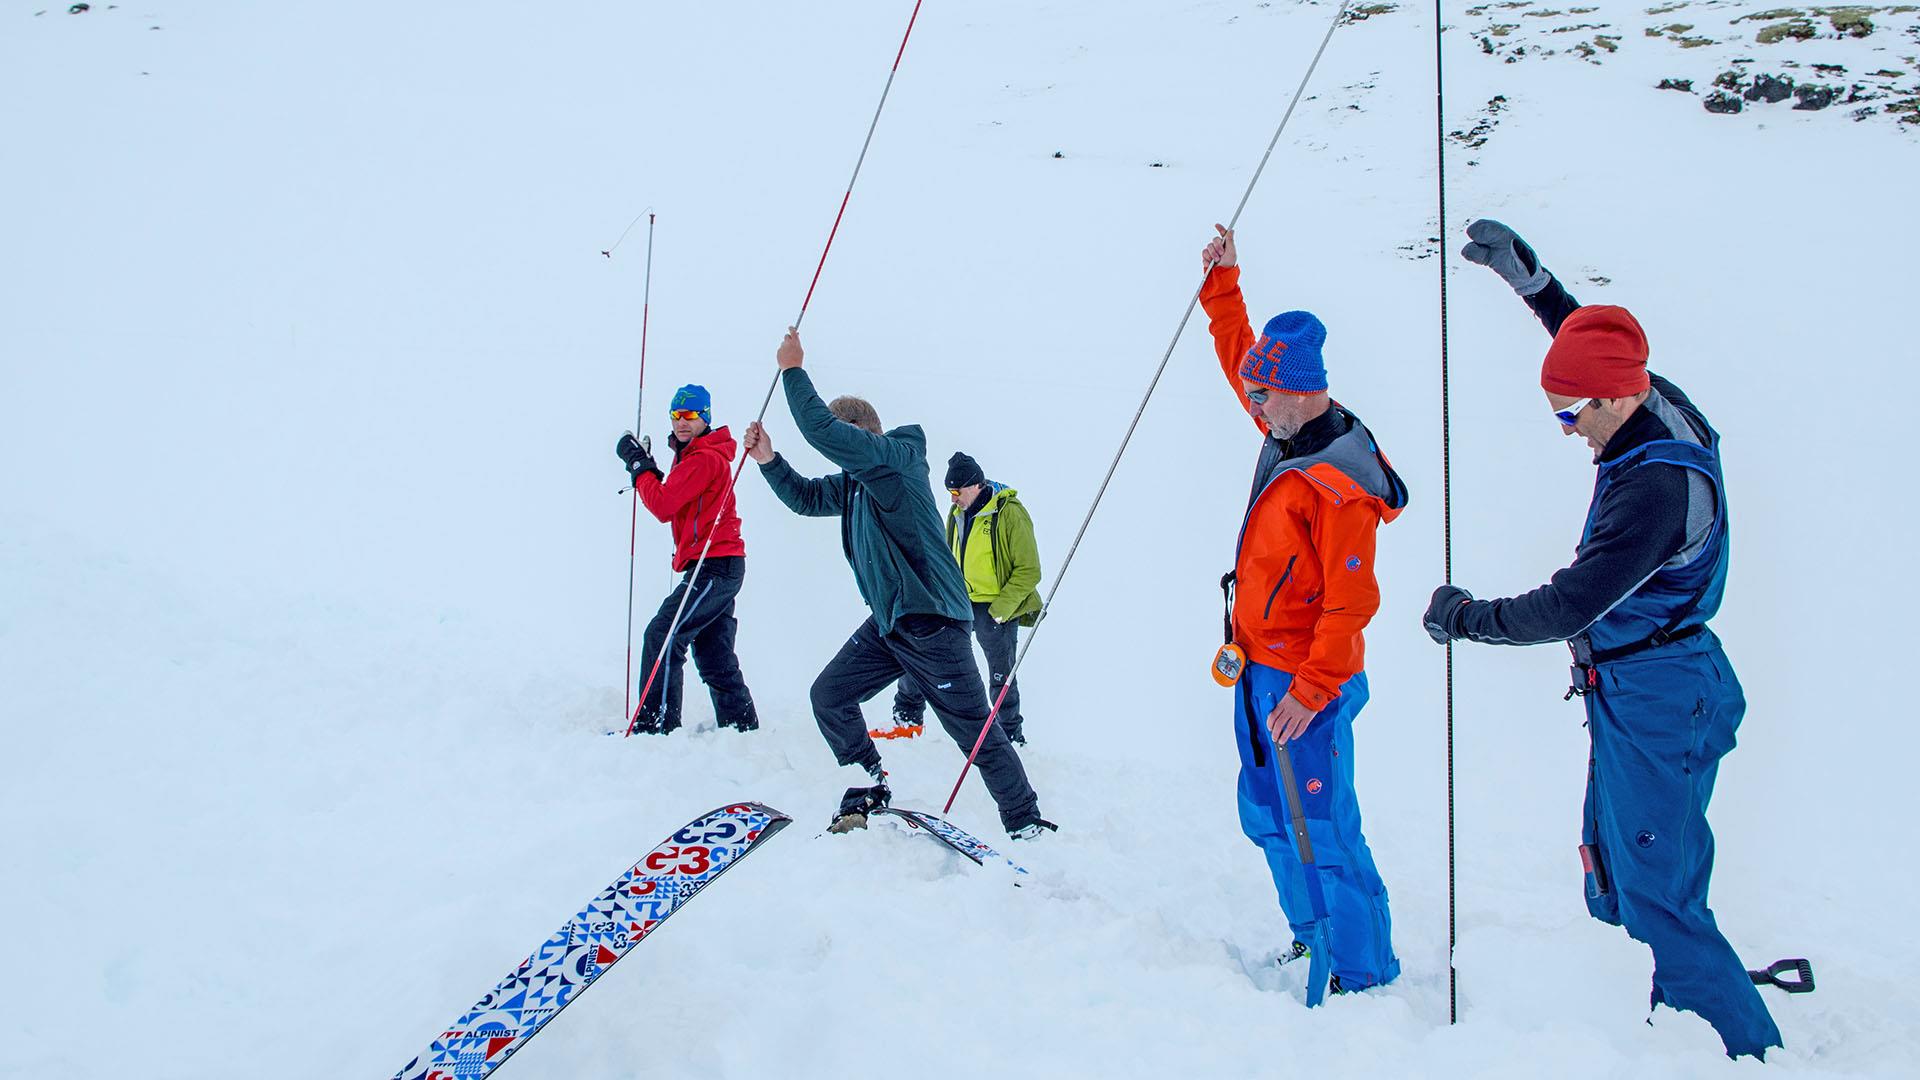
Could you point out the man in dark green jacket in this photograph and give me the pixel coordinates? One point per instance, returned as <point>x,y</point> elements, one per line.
<point>991,537</point>
<point>890,531</point>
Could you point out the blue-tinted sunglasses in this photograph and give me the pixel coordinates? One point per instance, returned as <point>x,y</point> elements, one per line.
<point>1570,415</point>
<point>1259,397</point>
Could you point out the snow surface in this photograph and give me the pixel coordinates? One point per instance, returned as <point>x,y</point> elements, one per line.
<point>312,560</point>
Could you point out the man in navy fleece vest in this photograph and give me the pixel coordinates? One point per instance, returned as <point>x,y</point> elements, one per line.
<point>1662,700</point>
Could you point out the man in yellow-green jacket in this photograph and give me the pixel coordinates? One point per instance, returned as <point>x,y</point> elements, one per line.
<point>991,536</point>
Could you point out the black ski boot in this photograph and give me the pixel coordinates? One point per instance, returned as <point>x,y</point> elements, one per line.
<point>650,722</point>
<point>749,722</point>
<point>856,804</point>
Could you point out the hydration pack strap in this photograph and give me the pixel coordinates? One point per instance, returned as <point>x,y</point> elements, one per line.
<point>1226,592</point>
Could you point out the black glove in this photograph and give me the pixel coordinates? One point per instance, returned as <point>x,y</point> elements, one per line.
<point>1500,249</point>
<point>638,455</point>
<point>1442,619</point>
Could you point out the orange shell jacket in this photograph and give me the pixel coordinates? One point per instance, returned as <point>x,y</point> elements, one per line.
<point>1304,582</point>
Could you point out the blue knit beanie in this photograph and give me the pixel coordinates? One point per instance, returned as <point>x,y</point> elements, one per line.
<point>693,396</point>
<point>1287,356</point>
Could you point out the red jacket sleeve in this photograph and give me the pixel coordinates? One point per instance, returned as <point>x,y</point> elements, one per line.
<point>1343,540</point>
<point>1227,322</point>
<point>690,478</point>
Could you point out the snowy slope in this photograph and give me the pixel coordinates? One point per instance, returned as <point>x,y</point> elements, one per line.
<point>311,557</point>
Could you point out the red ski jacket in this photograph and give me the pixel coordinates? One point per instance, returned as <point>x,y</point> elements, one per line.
<point>694,497</point>
<point>1304,583</point>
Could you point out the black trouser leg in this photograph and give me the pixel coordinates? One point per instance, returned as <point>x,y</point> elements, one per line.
<point>712,594</point>
<point>863,667</point>
<point>1000,642</point>
<point>941,663</point>
<point>908,702</point>
<point>713,652</point>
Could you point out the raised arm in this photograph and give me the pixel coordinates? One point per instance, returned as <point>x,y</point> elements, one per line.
<point>853,448</point>
<point>1227,312</point>
<point>1501,250</point>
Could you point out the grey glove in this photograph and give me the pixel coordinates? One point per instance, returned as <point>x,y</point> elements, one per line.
<point>1500,249</point>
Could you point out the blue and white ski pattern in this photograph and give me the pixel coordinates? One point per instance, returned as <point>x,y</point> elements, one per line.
<point>951,835</point>
<point>614,922</point>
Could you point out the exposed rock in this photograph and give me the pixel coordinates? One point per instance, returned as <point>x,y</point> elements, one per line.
<point>1682,85</point>
<point>1771,89</point>
<point>1730,80</point>
<point>1812,97</point>
<point>1365,12</point>
<point>1722,102</point>
<point>1862,114</point>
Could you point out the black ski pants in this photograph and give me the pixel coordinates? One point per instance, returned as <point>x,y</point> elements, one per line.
<point>709,628</point>
<point>936,652</point>
<point>998,641</point>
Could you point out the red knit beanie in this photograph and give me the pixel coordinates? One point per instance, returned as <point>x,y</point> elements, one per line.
<point>1600,351</point>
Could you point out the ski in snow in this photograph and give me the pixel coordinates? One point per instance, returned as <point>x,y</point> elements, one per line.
<point>953,836</point>
<point>612,923</point>
<point>861,803</point>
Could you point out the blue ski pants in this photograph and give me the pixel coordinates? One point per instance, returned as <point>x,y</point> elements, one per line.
<point>1359,940</point>
<point>1660,722</point>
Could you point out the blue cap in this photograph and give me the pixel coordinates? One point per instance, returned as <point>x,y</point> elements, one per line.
<point>693,396</point>
<point>1287,356</point>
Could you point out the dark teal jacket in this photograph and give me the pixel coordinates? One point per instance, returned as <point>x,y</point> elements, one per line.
<point>889,526</point>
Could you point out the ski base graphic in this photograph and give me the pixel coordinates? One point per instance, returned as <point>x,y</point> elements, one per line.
<point>613,922</point>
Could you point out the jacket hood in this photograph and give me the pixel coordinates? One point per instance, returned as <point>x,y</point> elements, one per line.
<point>910,433</point>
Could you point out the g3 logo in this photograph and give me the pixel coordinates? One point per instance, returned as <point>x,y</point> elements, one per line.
<point>680,860</point>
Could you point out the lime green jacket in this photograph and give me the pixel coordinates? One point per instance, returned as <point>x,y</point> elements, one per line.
<point>1001,561</point>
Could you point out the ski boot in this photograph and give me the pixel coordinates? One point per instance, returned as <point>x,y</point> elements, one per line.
<point>906,725</point>
<point>1299,950</point>
<point>1033,830</point>
<point>746,723</point>
<point>651,722</point>
<point>856,804</point>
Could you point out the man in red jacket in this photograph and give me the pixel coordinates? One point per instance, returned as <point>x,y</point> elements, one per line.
<point>695,498</point>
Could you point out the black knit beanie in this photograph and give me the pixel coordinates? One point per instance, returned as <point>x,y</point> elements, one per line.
<point>963,471</point>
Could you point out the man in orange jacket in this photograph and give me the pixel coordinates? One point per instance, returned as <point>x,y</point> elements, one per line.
<point>1301,592</point>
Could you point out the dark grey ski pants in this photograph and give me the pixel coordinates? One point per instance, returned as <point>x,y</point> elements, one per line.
<point>937,653</point>
<point>998,641</point>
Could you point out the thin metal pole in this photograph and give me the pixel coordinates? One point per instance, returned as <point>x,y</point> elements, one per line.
<point>1137,414</point>
<point>1446,484</point>
<point>639,412</point>
<point>766,401</point>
